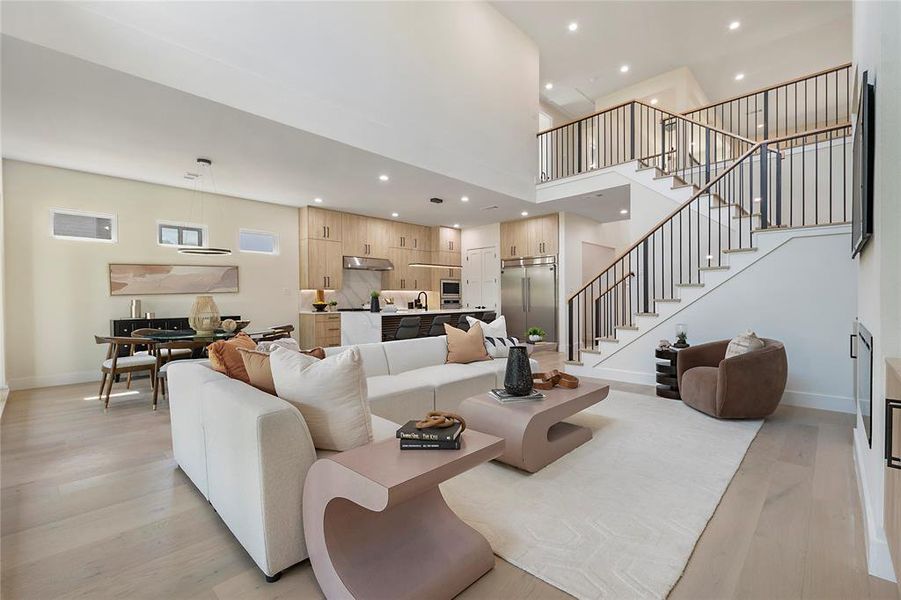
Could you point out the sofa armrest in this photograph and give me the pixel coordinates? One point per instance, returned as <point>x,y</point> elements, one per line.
<point>702,355</point>
<point>751,384</point>
<point>258,451</point>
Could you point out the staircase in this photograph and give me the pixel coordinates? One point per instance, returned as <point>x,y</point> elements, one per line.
<point>732,190</point>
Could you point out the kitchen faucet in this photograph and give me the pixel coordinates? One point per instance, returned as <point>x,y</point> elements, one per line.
<point>425,305</point>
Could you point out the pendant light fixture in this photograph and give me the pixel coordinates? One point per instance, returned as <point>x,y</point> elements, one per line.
<point>204,164</point>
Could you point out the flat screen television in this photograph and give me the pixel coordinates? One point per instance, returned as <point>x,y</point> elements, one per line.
<point>862,186</point>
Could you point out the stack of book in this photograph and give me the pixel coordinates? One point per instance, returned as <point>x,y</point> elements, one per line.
<point>504,397</point>
<point>430,438</point>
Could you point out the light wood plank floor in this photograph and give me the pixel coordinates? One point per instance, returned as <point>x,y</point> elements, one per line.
<point>93,506</point>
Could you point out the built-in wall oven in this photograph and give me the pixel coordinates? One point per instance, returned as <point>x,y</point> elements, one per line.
<point>450,293</point>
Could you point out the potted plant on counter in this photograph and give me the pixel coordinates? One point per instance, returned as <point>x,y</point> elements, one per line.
<point>536,334</point>
<point>374,301</point>
<point>332,305</point>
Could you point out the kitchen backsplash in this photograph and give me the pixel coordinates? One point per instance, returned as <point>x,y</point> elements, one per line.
<point>355,289</point>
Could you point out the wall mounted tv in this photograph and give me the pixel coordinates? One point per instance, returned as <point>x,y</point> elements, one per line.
<point>862,187</point>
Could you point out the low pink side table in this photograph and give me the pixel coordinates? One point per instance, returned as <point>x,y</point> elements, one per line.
<point>376,525</point>
<point>535,432</point>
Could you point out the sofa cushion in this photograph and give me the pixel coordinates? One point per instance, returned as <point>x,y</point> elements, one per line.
<point>400,398</point>
<point>224,356</point>
<point>496,328</point>
<point>465,346</point>
<point>373,355</point>
<point>746,342</point>
<point>698,389</point>
<point>407,355</point>
<point>454,382</point>
<point>382,429</point>
<point>330,394</point>
<point>499,347</point>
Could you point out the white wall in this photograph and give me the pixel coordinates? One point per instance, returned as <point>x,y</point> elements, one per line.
<point>877,46</point>
<point>451,87</point>
<point>59,289</point>
<point>800,294</point>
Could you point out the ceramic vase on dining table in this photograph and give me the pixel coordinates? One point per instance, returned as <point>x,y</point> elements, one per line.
<point>204,317</point>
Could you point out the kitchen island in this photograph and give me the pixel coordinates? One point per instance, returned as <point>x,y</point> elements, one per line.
<point>364,327</point>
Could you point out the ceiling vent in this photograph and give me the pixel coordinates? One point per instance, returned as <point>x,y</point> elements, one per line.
<point>436,200</point>
<point>489,207</point>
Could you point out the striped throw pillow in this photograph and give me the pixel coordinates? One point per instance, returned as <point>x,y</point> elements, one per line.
<point>499,347</point>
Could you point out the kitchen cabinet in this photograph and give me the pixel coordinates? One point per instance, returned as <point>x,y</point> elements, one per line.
<point>411,237</point>
<point>364,236</point>
<point>444,258</point>
<point>319,330</point>
<point>405,277</point>
<point>321,264</point>
<point>537,236</point>
<point>448,240</point>
<point>320,224</point>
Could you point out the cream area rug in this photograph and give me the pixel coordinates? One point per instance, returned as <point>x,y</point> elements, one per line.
<point>619,516</point>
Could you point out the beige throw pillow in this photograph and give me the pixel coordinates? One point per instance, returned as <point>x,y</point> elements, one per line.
<point>256,363</point>
<point>465,346</point>
<point>329,393</point>
<point>746,342</point>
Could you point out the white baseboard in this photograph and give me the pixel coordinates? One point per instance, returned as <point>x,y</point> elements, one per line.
<point>879,558</point>
<point>39,381</point>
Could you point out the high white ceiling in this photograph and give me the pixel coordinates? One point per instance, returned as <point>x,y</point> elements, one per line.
<point>777,41</point>
<point>63,111</point>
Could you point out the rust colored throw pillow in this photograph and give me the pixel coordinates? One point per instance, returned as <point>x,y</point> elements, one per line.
<point>259,370</point>
<point>225,358</point>
<point>465,346</point>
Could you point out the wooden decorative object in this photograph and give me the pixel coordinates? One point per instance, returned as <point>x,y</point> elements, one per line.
<point>130,280</point>
<point>204,316</point>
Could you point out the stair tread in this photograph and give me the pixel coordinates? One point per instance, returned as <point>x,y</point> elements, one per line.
<point>647,314</point>
<point>577,363</point>
<point>690,285</point>
<point>627,327</point>
<point>738,250</point>
<point>607,339</point>
<point>589,351</point>
<point>715,268</point>
<point>667,300</point>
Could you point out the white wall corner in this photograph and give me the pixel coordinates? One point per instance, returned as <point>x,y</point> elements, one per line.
<point>879,558</point>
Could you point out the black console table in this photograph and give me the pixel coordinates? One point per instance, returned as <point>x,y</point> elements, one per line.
<point>667,380</point>
<point>124,327</point>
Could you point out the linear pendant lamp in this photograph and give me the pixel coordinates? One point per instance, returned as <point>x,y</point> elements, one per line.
<point>207,164</point>
<point>433,266</point>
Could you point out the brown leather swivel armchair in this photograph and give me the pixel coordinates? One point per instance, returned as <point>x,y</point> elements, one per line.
<point>748,386</point>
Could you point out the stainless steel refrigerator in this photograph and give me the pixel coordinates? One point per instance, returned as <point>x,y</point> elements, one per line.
<point>529,295</point>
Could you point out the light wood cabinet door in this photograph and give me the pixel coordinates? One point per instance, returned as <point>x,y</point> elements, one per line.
<point>354,240</point>
<point>448,239</point>
<point>420,238</point>
<point>444,258</point>
<point>515,239</point>
<point>419,278</point>
<point>321,224</point>
<point>379,237</point>
<point>395,279</point>
<point>542,232</point>
<point>321,264</point>
<point>320,329</point>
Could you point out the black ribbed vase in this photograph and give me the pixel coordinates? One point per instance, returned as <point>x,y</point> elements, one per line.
<point>518,378</point>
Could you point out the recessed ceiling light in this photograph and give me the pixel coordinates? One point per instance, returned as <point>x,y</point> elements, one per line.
<point>653,100</point>
<point>624,69</point>
<point>548,86</point>
<point>760,126</point>
<point>383,178</point>
<point>624,212</point>
<point>456,225</point>
<point>756,199</point>
<point>739,76</point>
<point>734,25</point>
<point>709,257</point>
<point>395,215</point>
<point>317,200</point>
<point>524,213</point>
<point>464,198</point>
<point>573,26</point>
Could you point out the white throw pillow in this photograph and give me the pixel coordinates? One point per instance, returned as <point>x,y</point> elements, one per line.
<point>329,393</point>
<point>289,343</point>
<point>746,342</point>
<point>496,328</point>
<point>499,347</point>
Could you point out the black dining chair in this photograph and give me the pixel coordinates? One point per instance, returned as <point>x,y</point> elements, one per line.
<point>408,328</point>
<point>437,326</point>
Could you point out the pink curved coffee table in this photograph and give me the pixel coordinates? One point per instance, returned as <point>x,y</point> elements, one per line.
<point>376,525</point>
<point>535,433</point>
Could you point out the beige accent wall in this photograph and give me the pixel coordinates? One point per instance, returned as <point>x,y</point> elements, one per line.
<point>57,291</point>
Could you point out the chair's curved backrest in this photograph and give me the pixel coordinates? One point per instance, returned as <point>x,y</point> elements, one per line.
<point>408,328</point>
<point>437,326</point>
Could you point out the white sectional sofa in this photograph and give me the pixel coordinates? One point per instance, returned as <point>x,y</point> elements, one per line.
<point>408,378</point>
<point>248,452</point>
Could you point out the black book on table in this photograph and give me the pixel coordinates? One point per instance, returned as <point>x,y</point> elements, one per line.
<point>434,434</point>
<point>429,444</point>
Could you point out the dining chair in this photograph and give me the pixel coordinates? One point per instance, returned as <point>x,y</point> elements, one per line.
<point>165,353</point>
<point>276,332</point>
<point>173,348</point>
<point>115,365</point>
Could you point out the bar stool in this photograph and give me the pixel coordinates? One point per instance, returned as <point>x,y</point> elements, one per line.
<point>408,328</point>
<point>489,316</point>
<point>437,327</point>
<point>462,323</point>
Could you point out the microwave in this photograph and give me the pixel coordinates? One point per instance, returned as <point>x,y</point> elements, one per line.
<point>450,289</point>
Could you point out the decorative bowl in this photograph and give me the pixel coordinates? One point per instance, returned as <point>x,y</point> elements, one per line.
<point>320,306</point>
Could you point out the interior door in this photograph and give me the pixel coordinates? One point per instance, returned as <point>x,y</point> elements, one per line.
<point>471,292</point>
<point>541,299</point>
<point>513,300</point>
<point>490,264</point>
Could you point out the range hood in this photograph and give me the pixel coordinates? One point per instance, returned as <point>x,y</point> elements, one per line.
<point>364,263</point>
